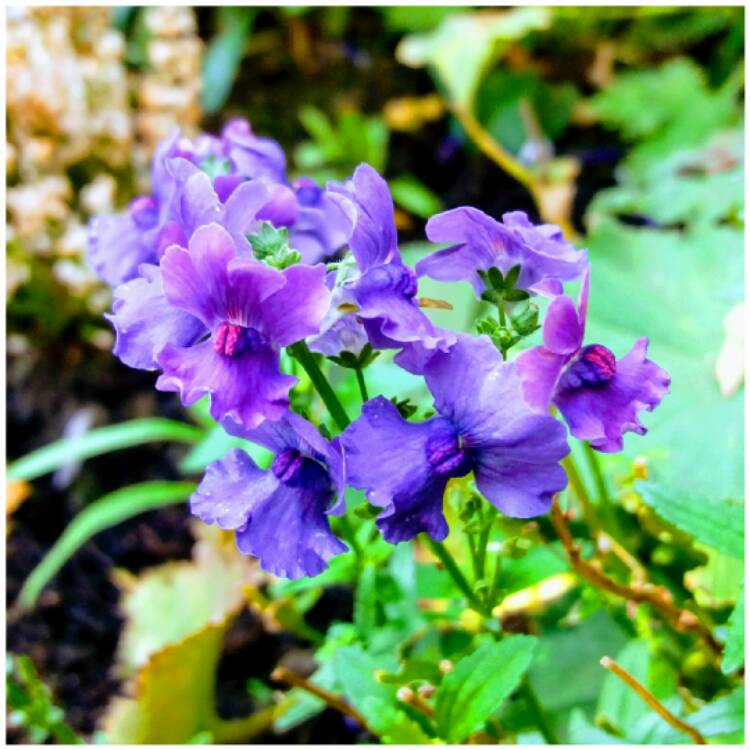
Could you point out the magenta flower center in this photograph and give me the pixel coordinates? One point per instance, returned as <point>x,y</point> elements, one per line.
<point>231,340</point>
<point>595,365</point>
<point>446,454</point>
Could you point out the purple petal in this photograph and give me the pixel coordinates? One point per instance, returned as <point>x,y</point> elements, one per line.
<point>230,489</point>
<point>373,241</point>
<point>198,203</point>
<point>145,322</point>
<point>603,413</point>
<point>539,370</point>
<point>387,457</point>
<point>562,331</point>
<point>414,356</point>
<point>117,247</point>
<point>246,388</point>
<point>297,309</point>
<point>253,156</point>
<point>281,209</point>
<point>518,470</point>
<point>242,208</point>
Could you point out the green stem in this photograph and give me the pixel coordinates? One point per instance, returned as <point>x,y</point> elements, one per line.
<point>445,557</point>
<point>362,384</point>
<point>484,539</point>
<point>304,356</point>
<point>348,532</point>
<point>532,701</point>
<point>596,470</point>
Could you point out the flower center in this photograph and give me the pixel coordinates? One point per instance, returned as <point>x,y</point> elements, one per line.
<point>595,365</point>
<point>230,340</point>
<point>446,454</point>
<point>407,284</point>
<point>287,464</point>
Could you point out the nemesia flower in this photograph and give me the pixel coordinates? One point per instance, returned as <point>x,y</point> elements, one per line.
<point>482,425</point>
<point>248,312</point>
<point>381,287</point>
<point>479,242</point>
<point>599,396</point>
<point>280,514</point>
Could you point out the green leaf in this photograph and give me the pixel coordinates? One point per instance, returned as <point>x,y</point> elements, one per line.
<point>722,716</point>
<point>414,196</point>
<point>99,441</point>
<point>479,684</point>
<point>462,47</point>
<point>715,523</point>
<point>108,511</point>
<point>734,648</point>
<point>581,732</point>
<point>223,57</point>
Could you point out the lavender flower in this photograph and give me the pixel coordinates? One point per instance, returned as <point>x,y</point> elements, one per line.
<point>481,243</point>
<point>599,396</point>
<point>380,290</point>
<point>482,425</point>
<point>279,515</point>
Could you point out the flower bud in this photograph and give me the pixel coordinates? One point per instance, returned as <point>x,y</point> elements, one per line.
<point>524,318</point>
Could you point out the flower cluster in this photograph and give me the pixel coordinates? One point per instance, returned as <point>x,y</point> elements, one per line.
<point>220,269</point>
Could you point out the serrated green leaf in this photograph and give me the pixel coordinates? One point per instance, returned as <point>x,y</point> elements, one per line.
<point>734,648</point>
<point>716,523</point>
<point>108,511</point>
<point>99,441</point>
<point>479,684</point>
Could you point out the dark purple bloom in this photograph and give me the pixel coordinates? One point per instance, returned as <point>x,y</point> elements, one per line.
<point>381,288</point>
<point>280,514</point>
<point>599,395</point>
<point>479,242</point>
<point>482,425</point>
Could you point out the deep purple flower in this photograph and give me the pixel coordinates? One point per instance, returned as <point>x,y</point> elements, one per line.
<point>479,242</point>
<point>214,322</point>
<point>280,514</point>
<point>482,425</point>
<point>599,396</point>
<point>381,288</point>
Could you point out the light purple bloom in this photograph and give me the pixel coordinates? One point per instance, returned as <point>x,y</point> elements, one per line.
<point>280,515</point>
<point>479,242</point>
<point>482,425</point>
<point>381,287</point>
<point>598,395</point>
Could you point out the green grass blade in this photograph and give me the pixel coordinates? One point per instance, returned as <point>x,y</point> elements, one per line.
<point>107,511</point>
<point>99,441</point>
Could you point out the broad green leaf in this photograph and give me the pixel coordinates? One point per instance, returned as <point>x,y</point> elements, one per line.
<point>674,288</point>
<point>223,57</point>
<point>414,196</point>
<point>108,511</point>
<point>722,716</point>
<point>582,732</point>
<point>461,48</point>
<point>99,441</point>
<point>734,648</point>
<point>717,584</point>
<point>716,523</point>
<point>479,684</point>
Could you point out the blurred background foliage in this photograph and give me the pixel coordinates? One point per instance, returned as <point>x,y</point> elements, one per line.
<point>624,125</point>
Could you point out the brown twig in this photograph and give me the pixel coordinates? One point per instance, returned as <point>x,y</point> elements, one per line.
<point>282,674</point>
<point>657,596</point>
<point>652,700</point>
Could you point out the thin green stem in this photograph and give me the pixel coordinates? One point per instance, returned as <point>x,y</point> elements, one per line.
<point>304,356</point>
<point>596,470</point>
<point>362,384</point>
<point>348,532</point>
<point>445,557</point>
<point>532,701</point>
<point>484,538</point>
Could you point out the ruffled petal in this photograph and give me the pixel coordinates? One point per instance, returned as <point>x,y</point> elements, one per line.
<point>519,470</point>
<point>116,247</point>
<point>145,322</point>
<point>374,240</point>
<point>414,356</point>
<point>386,456</point>
<point>246,388</point>
<point>539,370</point>
<point>230,489</point>
<point>252,155</point>
<point>297,309</point>
<point>603,413</point>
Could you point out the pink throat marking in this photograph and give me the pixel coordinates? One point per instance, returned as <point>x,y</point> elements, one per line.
<point>227,338</point>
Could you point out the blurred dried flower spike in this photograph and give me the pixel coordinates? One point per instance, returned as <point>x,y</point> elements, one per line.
<point>69,105</point>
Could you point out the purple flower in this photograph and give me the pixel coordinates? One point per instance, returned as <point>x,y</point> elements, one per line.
<point>482,425</point>
<point>118,244</point>
<point>479,243</point>
<point>279,515</point>
<point>599,396</point>
<point>381,288</point>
